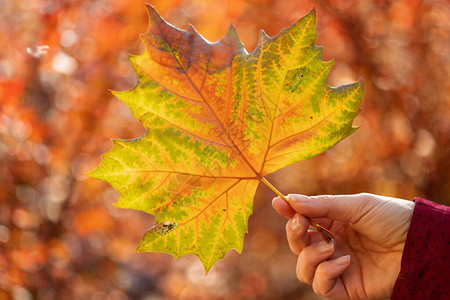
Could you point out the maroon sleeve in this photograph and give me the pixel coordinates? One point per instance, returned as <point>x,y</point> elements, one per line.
<point>425,266</point>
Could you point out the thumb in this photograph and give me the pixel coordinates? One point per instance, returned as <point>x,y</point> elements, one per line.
<point>347,208</point>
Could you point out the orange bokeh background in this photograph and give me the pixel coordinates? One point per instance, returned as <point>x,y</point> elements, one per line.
<point>60,236</point>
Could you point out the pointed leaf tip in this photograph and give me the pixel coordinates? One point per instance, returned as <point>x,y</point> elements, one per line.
<point>232,33</point>
<point>263,36</point>
<point>361,80</point>
<point>94,173</point>
<point>153,15</point>
<point>151,8</point>
<point>232,38</point>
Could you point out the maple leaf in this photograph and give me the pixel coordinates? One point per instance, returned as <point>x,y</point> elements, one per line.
<point>218,119</point>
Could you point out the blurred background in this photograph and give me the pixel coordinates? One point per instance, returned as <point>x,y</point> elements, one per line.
<point>60,236</point>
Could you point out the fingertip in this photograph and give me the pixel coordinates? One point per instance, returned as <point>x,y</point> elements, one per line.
<point>342,261</point>
<point>273,202</point>
<point>297,234</point>
<point>327,281</point>
<point>283,208</point>
<point>302,221</point>
<point>298,224</point>
<point>334,268</point>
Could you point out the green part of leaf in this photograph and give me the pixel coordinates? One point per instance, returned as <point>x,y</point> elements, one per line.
<point>219,119</point>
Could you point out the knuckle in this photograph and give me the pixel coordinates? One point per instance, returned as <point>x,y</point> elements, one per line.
<point>305,278</point>
<point>325,200</point>
<point>295,247</point>
<point>303,257</point>
<point>321,270</point>
<point>305,273</point>
<point>365,196</point>
<point>318,286</point>
<point>328,198</point>
<point>365,204</point>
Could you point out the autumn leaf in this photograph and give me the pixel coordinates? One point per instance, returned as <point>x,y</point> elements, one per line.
<point>218,119</point>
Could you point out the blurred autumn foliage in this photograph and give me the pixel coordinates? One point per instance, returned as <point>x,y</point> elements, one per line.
<point>60,236</point>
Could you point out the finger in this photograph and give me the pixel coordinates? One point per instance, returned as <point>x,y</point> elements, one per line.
<point>310,258</point>
<point>297,233</point>
<point>283,208</point>
<point>348,208</point>
<point>327,282</point>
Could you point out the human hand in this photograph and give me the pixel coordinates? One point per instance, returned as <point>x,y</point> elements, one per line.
<point>363,261</point>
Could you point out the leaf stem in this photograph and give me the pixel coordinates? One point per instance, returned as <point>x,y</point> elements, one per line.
<point>325,233</point>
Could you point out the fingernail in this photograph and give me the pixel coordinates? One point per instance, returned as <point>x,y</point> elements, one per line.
<point>343,260</point>
<point>295,224</point>
<point>325,247</point>
<point>299,198</point>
